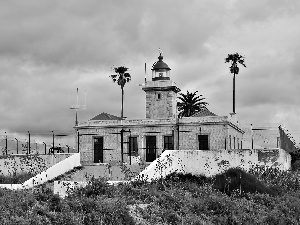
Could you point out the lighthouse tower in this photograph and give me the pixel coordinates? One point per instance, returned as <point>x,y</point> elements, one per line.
<point>161,92</point>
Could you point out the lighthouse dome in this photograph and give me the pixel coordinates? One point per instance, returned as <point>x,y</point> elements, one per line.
<point>160,64</point>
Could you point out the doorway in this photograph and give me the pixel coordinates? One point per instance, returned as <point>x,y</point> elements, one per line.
<point>98,150</point>
<point>150,148</point>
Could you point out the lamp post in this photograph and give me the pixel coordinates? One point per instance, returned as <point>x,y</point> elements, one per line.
<point>28,146</point>
<point>68,148</point>
<point>17,145</point>
<point>53,141</point>
<point>5,143</point>
<point>45,148</point>
<point>252,142</point>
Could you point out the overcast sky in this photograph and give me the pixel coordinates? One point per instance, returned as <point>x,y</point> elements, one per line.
<point>50,48</point>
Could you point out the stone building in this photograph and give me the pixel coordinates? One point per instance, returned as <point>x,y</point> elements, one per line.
<point>107,138</point>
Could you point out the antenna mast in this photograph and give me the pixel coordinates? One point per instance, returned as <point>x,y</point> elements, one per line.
<point>77,107</point>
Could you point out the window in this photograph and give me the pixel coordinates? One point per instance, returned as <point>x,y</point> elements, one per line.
<point>203,142</point>
<point>133,146</point>
<point>158,96</point>
<point>229,141</point>
<point>168,143</point>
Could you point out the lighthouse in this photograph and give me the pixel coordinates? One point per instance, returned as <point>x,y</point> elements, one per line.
<point>161,92</point>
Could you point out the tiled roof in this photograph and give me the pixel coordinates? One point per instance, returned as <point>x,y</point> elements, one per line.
<point>203,112</point>
<point>106,116</point>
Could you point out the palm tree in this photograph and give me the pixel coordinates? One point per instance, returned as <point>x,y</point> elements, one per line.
<point>234,59</point>
<point>122,77</point>
<point>190,104</point>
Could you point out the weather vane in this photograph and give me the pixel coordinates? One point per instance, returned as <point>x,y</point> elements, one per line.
<point>159,51</point>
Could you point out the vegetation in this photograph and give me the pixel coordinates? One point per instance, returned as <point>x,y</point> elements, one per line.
<point>190,104</point>
<point>234,59</point>
<point>122,77</point>
<point>15,178</point>
<point>272,198</point>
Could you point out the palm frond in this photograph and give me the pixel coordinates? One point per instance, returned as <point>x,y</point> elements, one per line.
<point>234,59</point>
<point>190,103</point>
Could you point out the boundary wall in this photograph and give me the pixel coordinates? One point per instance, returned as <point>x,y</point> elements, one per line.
<point>17,164</point>
<point>54,171</point>
<point>199,162</point>
<point>209,163</point>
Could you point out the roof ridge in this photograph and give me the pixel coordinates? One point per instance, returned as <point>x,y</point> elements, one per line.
<point>105,116</point>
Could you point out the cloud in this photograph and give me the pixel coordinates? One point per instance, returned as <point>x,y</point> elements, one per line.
<point>48,49</point>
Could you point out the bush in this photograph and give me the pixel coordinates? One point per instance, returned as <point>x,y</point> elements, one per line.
<point>185,199</point>
<point>236,179</point>
<point>15,179</point>
<point>296,165</point>
<point>179,177</point>
<point>282,181</point>
<point>95,187</point>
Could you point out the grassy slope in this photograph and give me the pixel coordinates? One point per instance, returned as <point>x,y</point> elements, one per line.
<point>175,200</point>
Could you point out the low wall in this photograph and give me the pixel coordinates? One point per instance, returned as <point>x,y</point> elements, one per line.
<point>199,162</point>
<point>54,171</point>
<point>209,163</point>
<point>16,164</point>
<point>277,157</point>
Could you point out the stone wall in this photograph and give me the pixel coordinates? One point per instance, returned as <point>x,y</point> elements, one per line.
<point>160,104</point>
<point>217,130</point>
<point>285,141</point>
<point>16,164</point>
<point>209,163</point>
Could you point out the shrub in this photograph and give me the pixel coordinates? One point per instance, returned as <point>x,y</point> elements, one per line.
<point>95,187</point>
<point>15,178</point>
<point>296,165</point>
<point>282,181</point>
<point>237,179</point>
<point>180,177</point>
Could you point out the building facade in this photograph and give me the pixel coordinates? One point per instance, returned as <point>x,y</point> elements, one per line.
<point>107,138</point>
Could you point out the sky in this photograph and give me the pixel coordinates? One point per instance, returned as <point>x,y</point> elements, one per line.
<point>48,49</point>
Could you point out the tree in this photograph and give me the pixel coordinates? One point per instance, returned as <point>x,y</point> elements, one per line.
<point>122,77</point>
<point>190,104</point>
<point>234,59</point>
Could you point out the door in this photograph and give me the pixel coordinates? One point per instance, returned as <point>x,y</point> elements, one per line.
<point>133,146</point>
<point>203,142</point>
<point>150,148</point>
<point>98,150</point>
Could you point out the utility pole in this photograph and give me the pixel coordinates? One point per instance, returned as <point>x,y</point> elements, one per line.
<point>78,141</point>
<point>122,150</point>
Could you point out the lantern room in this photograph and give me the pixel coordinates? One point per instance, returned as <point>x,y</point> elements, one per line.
<point>160,70</point>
